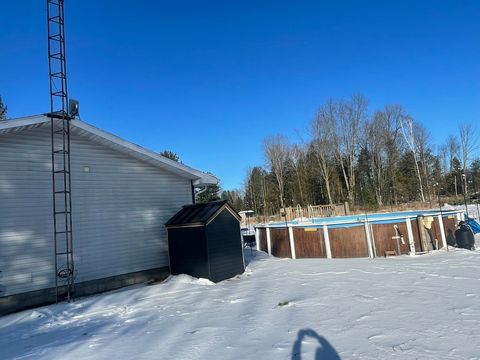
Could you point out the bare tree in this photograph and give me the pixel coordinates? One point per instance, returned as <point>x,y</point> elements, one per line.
<point>422,140</point>
<point>381,140</point>
<point>277,152</point>
<point>407,126</point>
<point>256,190</point>
<point>443,154</point>
<point>468,144</point>
<point>322,128</point>
<point>297,154</point>
<point>453,149</point>
<point>351,115</point>
<point>374,131</point>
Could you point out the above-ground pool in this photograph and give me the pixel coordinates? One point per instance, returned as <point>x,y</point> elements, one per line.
<point>362,235</point>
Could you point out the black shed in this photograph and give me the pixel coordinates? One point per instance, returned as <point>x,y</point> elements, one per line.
<point>204,241</point>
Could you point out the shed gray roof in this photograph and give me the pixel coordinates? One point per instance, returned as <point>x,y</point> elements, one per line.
<point>199,214</point>
<point>103,137</point>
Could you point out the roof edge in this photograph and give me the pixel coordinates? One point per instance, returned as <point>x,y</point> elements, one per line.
<point>229,208</point>
<point>23,121</point>
<point>201,178</point>
<point>223,205</point>
<point>198,177</point>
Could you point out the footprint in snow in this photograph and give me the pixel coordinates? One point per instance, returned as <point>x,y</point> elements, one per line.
<point>235,301</point>
<point>283,304</point>
<point>363,317</point>
<point>364,298</point>
<point>376,337</point>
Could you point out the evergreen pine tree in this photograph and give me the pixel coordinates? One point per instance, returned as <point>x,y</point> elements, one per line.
<point>234,198</point>
<point>210,194</point>
<point>3,110</point>
<point>170,155</point>
<point>475,173</point>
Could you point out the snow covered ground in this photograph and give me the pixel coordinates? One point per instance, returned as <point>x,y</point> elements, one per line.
<point>473,209</point>
<point>421,307</point>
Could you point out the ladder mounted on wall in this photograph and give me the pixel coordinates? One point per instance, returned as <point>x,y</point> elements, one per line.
<point>60,139</point>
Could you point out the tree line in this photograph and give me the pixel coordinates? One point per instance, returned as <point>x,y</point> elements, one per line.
<point>370,159</point>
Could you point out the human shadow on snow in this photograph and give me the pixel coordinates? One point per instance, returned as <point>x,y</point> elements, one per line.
<point>324,350</point>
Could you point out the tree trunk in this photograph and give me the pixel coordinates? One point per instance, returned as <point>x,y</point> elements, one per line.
<point>326,179</point>
<point>300,188</point>
<point>422,196</point>
<point>347,182</point>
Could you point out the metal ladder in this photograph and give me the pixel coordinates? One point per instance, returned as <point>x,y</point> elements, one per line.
<point>60,143</point>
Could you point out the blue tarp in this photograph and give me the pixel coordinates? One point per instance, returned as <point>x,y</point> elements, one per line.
<point>475,226</point>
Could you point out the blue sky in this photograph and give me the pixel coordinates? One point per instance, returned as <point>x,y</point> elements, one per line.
<point>209,80</point>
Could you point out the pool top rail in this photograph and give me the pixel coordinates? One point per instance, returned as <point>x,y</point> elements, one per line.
<point>360,219</point>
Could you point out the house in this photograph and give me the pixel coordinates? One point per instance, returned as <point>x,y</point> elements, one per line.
<point>204,241</point>
<point>122,195</point>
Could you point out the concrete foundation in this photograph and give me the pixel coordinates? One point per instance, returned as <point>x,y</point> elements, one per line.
<point>17,302</point>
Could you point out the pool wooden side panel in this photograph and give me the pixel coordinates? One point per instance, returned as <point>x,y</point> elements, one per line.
<point>384,234</point>
<point>348,242</point>
<point>449,223</point>
<point>437,235</point>
<point>262,234</point>
<point>280,243</point>
<point>416,236</point>
<point>309,244</point>
<point>351,242</point>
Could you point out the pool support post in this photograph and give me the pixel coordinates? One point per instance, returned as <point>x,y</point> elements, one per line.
<point>257,238</point>
<point>369,239</point>
<point>292,242</point>
<point>411,240</point>
<point>326,240</point>
<point>442,230</point>
<point>269,244</point>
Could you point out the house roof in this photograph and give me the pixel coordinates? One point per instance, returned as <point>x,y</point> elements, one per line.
<point>103,137</point>
<point>199,214</point>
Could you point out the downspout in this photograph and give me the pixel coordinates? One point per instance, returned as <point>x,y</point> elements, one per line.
<point>194,194</point>
<point>193,191</point>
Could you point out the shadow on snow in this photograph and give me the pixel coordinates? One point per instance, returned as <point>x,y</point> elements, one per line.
<point>324,350</point>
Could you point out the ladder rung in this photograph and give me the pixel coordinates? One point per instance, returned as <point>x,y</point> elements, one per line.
<point>63,253</point>
<point>60,152</point>
<point>61,172</point>
<point>62,212</point>
<point>58,56</point>
<point>62,192</point>
<point>63,232</point>
<point>56,37</point>
<point>58,75</point>
<point>61,131</point>
<point>58,115</point>
<point>56,19</point>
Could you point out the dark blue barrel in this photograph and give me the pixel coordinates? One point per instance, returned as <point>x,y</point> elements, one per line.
<point>464,236</point>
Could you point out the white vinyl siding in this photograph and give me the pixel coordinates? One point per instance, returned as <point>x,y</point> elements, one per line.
<point>26,230</point>
<point>119,208</point>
